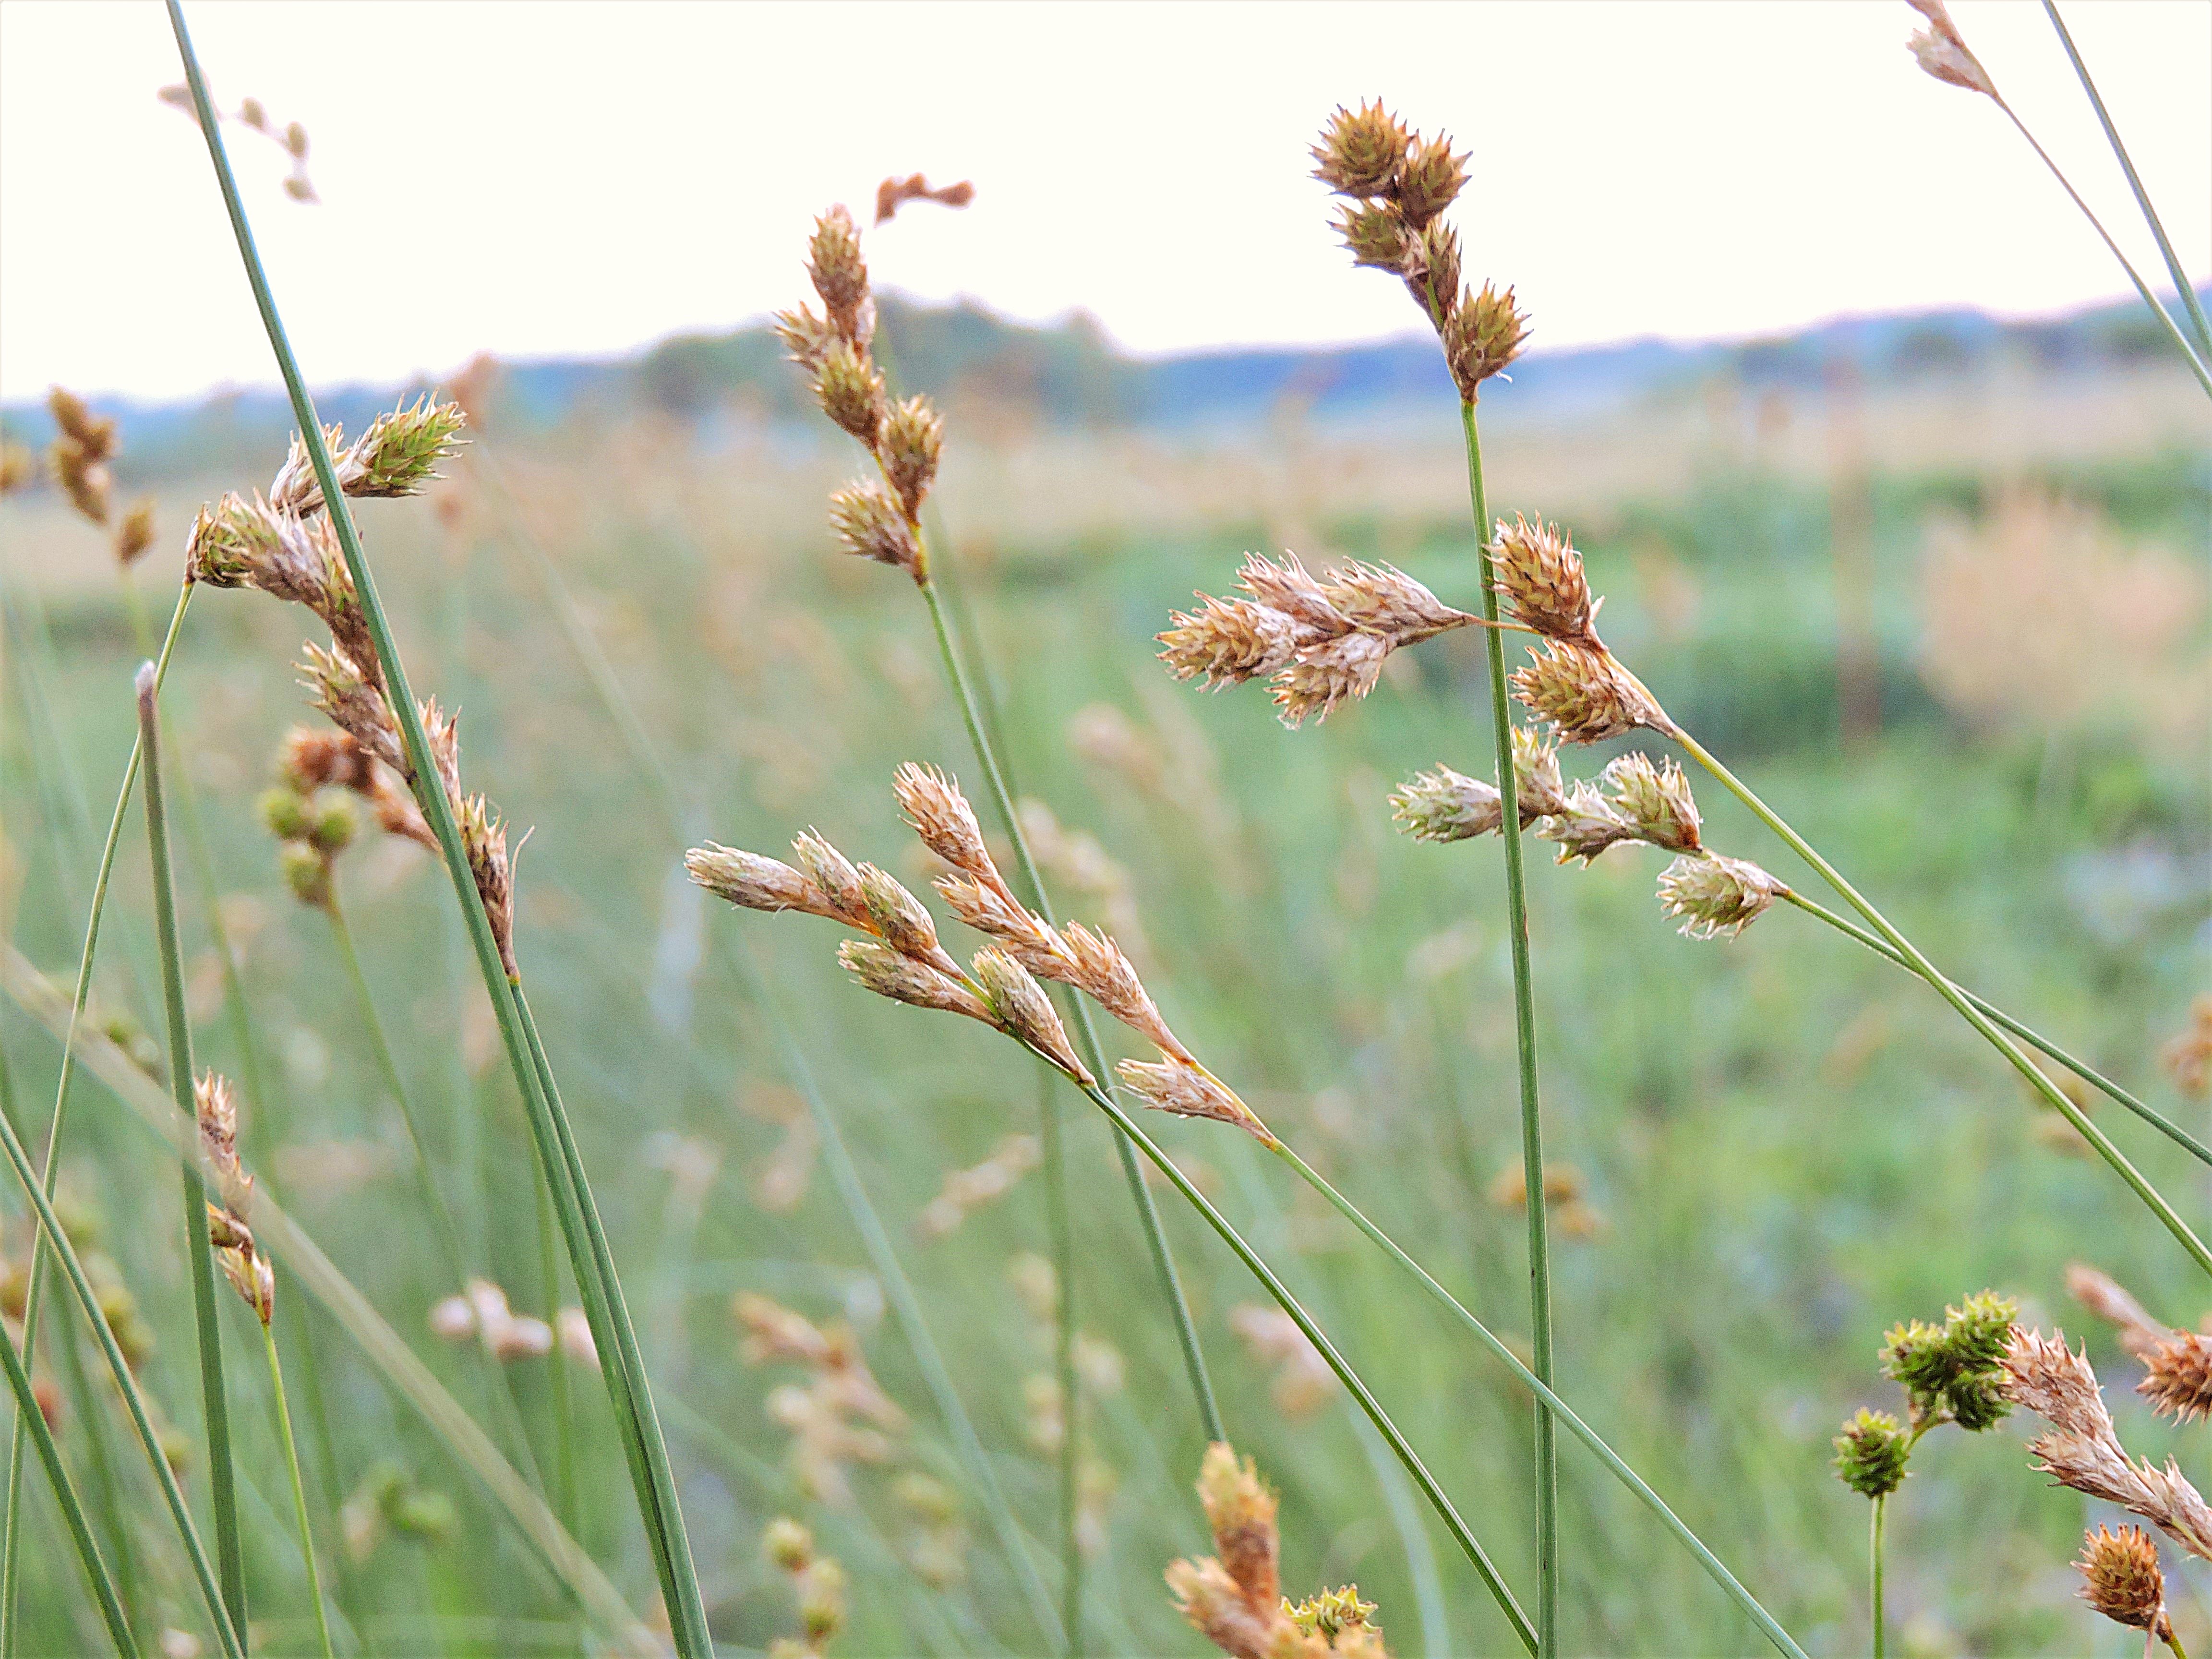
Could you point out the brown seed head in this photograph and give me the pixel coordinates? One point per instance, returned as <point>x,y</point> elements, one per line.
<point>1715,896</point>
<point>754,882</point>
<point>2043,1374</point>
<point>1210,1599</point>
<point>1096,967</point>
<point>135,535</point>
<point>894,194</point>
<point>851,392</point>
<point>354,706</point>
<point>1339,671</point>
<point>834,876</point>
<point>1023,1010</point>
<point>1585,825</point>
<point>872,526</point>
<point>840,275</point>
<point>1536,780</point>
<point>1540,574</point>
<point>247,1269</point>
<point>1941,51</point>
<point>914,437</point>
<point>941,816</point>
<point>2121,1579</point>
<point>83,480</point>
<point>1585,692</point>
<point>893,973</point>
<point>483,835</point>
<point>1227,641</point>
<point>806,337</point>
<point>1482,336</point>
<point>1375,235</point>
<point>1446,806</point>
<point>1431,268</point>
<point>1430,179</point>
<point>985,905</point>
<point>1656,799</point>
<point>215,1106</point>
<point>18,466</point>
<point>1241,1511</point>
<point>312,760</point>
<point>1361,150</point>
<point>1188,1091</point>
<point>1380,599</point>
<point>2178,1379</point>
<point>94,436</point>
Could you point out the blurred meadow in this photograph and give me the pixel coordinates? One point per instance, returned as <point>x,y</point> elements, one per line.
<point>1945,602</point>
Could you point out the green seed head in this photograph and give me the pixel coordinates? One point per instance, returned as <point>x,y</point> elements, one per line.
<point>1871,1453</point>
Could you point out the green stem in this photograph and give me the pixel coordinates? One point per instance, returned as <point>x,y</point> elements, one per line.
<point>214,1399</point>
<point>1582,1430</point>
<point>589,1256</point>
<point>1524,1031</point>
<point>564,1421</point>
<point>88,1301</point>
<point>1094,1054</point>
<point>1399,1446</point>
<point>298,1493</point>
<point>1958,1000</point>
<point>11,1546</point>
<point>2027,1034</point>
<point>1874,1573</point>
<point>1063,1262</point>
<point>2173,332</point>
<point>2174,265</point>
<point>326,1471</point>
<point>50,1459</point>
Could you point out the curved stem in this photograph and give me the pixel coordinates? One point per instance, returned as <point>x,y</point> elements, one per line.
<point>1094,1055</point>
<point>1874,1574</point>
<point>1952,994</point>
<point>298,1493</point>
<point>214,1399</point>
<point>11,1546</point>
<point>1524,1033</point>
<point>2174,265</point>
<point>1582,1430</point>
<point>2027,1034</point>
<point>1314,1334</point>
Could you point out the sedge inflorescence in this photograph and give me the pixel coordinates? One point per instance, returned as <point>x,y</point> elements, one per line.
<point>1950,1374</point>
<point>214,1105</point>
<point>901,958</point>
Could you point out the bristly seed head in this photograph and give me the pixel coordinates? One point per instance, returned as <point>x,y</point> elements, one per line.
<point>2179,1377</point>
<point>1361,151</point>
<point>1482,334</point>
<point>1431,268</point>
<point>851,392</point>
<point>1655,799</point>
<point>1446,806</point>
<point>1941,51</point>
<point>806,337</point>
<point>1536,780</point>
<point>1240,1512</point>
<point>1540,574</point>
<point>1430,179</point>
<point>1375,236</point>
<point>1187,1090</point>
<point>2122,1579</point>
<point>833,874</point>
<point>1871,1453</point>
<point>1023,1010</point>
<point>839,273</point>
<point>1583,691</point>
<point>754,882</point>
<point>902,921</point>
<point>913,441</point>
<point>892,974</point>
<point>872,526</point>
<point>1586,824</point>
<point>941,816</point>
<point>1716,895</point>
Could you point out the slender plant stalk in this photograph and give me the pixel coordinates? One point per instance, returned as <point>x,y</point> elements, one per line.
<point>1613,1461</point>
<point>88,1302</point>
<point>1057,1223</point>
<point>2174,265</point>
<point>1874,1574</point>
<point>215,1399</point>
<point>2027,1034</point>
<point>628,1389</point>
<point>1402,1449</point>
<point>298,1493</point>
<point>564,1420</point>
<point>326,1473</point>
<point>50,1458</point>
<point>11,1546</point>
<point>1951,993</point>
<point>1094,1054</point>
<point>1524,1032</point>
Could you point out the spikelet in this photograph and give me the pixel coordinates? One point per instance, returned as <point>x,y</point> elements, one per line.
<point>399,455</point>
<point>1585,825</point>
<point>1429,180</point>
<point>1540,576</point>
<point>833,873</point>
<point>1482,335</point>
<point>1655,799</point>
<point>2103,1296</point>
<point>2177,1382</point>
<point>879,969</point>
<point>913,443</point>
<point>754,882</point>
<point>898,919</point>
<point>1361,151</point>
<point>1189,1091</point>
<point>1871,1453</point>
<point>1716,895</point>
<point>1446,806</point>
<point>214,1104</point>
<point>895,193</point>
<point>134,537</point>
<point>872,525</point>
<point>1941,50</point>
<point>1023,1011</point>
<point>1585,692</point>
<point>840,275</point>
<point>937,812</point>
<point>2121,1579</point>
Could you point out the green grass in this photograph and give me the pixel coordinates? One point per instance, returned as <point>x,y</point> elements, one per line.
<point>1793,1144</point>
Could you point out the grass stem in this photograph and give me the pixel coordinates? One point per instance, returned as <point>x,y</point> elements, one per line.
<point>299,1492</point>
<point>1059,1225</point>
<point>1874,1574</point>
<point>215,1399</point>
<point>1524,1033</point>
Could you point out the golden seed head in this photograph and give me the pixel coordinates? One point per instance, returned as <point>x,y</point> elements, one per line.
<point>1585,693</point>
<point>754,882</point>
<point>984,904</point>
<point>1209,1598</point>
<point>2178,1382</point>
<point>1023,1010</point>
<point>2122,1579</point>
<point>1374,235</point>
<point>1095,966</point>
<point>1540,574</point>
<point>1341,670</point>
<point>1361,150</point>
<point>1585,824</point>
<point>1227,641</point>
<point>941,816</point>
<point>1430,179</point>
<point>135,535</point>
<point>788,1544</point>
<point>1241,1511</point>
<point>839,273</point>
<point>851,392</point>
<point>1446,806</point>
<point>1941,50</point>
<point>895,974</point>
<point>1655,799</point>
<point>872,526</point>
<point>914,437</point>
<point>1536,782</point>
<point>1483,334</point>
<point>834,876</point>
<point>806,337</point>
<point>93,436</point>
<point>1716,895</point>
<point>1188,1091</point>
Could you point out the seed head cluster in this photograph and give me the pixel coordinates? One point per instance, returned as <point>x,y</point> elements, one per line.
<point>1950,1374</point>
<point>77,461</point>
<point>2122,1579</point>
<point>214,1104</point>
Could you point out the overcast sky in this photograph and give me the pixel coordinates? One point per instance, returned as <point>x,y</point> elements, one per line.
<point>551,179</point>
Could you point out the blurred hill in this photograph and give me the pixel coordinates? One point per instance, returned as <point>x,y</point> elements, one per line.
<point>1070,375</point>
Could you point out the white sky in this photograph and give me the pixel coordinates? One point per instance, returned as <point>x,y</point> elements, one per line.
<point>548,179</point>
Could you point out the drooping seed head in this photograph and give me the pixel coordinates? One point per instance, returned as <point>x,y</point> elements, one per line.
<point>989,908</point>
<point>833,876</point>
<point>1585,693</point>
<point>1482,336</point>
<point>1380,599</point>
<point>839,273</point>
<point>1941,51</point>
<point>1715,896</point>
<point>2058,1385</point>
<point>1095,966</point>
<point>941,816</point>
<point>895,974</point>
<point>1430,179</point>
<point>1227,641</point>
<point>1361,150</point>
<point>1871,1453</point>
<point>83,479</point>
<point>134,537</point>
<point>1446,806</point>
<point>1187,1090</point>
<point>1290,588</point>
<point>1655,799</point>
<point>1241,1511</point>
<point>215,1107</point>
<point>754,882</point>
<point>1540,574</point>
<point>2122,1579</point>
<point>1374,235</point>
<point>2178,1379</point>
<point>851,391</point>
<point>913,438</point>
<point>1023,1010</point>
<point>872,526</point>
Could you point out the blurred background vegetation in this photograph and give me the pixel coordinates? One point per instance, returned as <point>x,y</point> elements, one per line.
<point>1937,584</point>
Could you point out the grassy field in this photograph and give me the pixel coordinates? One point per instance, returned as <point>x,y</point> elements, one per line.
<point>1784,1145</point>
